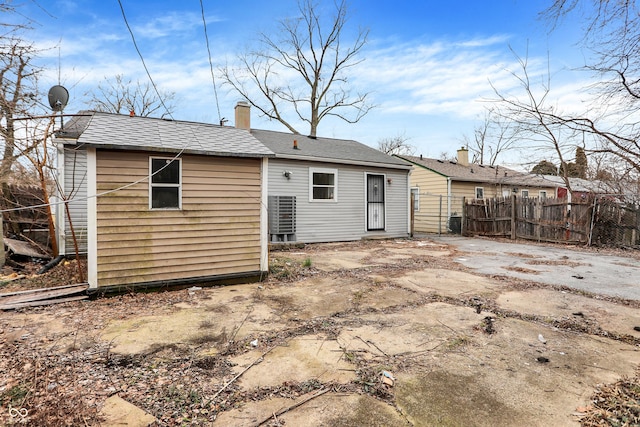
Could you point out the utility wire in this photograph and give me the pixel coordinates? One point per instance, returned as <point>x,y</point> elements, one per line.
<point>124,16</point>
<point>213,78</point>
<point>186,145</point>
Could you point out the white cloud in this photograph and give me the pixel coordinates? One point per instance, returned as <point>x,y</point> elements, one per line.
<point>173,24</point>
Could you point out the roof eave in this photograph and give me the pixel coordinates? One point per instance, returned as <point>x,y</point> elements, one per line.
<point>344,162</point>
<point>175,150</point>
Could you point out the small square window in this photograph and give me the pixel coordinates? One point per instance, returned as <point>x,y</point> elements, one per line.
<point>165,186</point>
<point>543,194</point>
<point>525,194</point>
<point>323,183</point>
<point>479,192</point>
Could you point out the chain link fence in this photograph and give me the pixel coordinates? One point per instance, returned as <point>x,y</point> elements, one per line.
<point>436,213</point>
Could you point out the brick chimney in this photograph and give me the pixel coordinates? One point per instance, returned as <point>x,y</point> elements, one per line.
<point>243,115</point>
<point>463,156</point>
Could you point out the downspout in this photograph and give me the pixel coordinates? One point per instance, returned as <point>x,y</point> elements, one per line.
<point>264,217</point>
<point>449,196</point>
<point>410,212</point>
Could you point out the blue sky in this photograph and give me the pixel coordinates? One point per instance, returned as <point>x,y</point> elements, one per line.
<point>427,64</point>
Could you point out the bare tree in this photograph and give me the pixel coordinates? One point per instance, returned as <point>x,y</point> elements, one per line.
<point>494,136</point>
<point>539,123</point>
<point>396,145</point>
<point>18,94</point>
<point>611,33</point>
<point>303,67</point>
<point>448,157</point>
<point>121,96</point>
<point>37,151</point>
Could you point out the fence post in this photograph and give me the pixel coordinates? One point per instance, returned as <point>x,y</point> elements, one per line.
<point>592,223</point>
<point>2,241</point>
<point>440,217</point>
<point>463,228</point>
<point>513,217</point>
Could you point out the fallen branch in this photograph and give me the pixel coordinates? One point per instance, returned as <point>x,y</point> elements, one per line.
<point>292,407</point>
<point>255,362</point>
<point>233,336</point>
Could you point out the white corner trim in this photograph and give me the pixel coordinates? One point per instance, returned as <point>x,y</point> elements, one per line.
<point>92,219</point>
<point>264,216</point>
<point>61,215</point>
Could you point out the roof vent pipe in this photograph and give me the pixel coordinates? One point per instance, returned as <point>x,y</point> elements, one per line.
<point>295,144</point>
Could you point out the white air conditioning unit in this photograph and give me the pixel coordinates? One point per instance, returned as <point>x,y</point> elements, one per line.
<point>282,218</point>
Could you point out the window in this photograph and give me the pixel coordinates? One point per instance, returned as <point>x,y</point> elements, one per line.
<point>479,192</point>
<point>165,189</point>
<point>525,194</point>
<point>415,192</point>
<point>543,194</point>
<point>323,185</point>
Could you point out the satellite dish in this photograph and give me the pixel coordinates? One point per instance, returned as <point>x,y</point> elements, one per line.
<point>58,97</point>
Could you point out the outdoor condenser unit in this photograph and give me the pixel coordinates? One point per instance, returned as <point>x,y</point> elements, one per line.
<point>282,218</point>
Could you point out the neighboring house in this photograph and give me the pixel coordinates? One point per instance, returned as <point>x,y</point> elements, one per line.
<point>201,217</point>
<point>580,188</point>
<point>329,190</point>
<point>439,187</point>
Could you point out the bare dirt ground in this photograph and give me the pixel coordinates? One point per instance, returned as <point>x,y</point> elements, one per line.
<point>377,333</point>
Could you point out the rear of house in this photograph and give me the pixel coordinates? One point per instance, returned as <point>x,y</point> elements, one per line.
<point>332,190</point>
<point>168,202</point>
<point>332,203</point>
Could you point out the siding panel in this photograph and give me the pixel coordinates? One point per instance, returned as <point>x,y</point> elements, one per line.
<point>217,231</point>
<point>75,188</point>
<point>428,219</point>
<point>344,219</point>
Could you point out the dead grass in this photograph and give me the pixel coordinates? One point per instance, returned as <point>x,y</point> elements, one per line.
<point>616,404</point>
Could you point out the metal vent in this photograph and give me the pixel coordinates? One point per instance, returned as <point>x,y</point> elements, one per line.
<point>282,218</point>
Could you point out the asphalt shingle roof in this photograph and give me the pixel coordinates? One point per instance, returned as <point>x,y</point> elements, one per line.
<point>478,173</point>
<point>117,131</point>
<point>460,172</point>
<point>325,149</point>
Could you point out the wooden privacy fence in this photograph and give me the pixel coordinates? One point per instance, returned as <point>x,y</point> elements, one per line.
<point>591,221</point>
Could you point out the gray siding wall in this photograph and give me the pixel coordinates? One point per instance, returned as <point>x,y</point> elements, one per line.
<point>345,219</point>
<point>75,188</point>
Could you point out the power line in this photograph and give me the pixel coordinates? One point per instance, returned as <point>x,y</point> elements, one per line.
<point>124,16</point>
<point>213,78</point>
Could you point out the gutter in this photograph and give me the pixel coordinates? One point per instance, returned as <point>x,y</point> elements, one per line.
<point>344,162</point>
<point>449,196</point>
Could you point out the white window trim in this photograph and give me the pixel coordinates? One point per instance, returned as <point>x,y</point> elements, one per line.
<point>476,192</point>
<point>178,185</point>
<point>335,185</point>
<point>542,194</point>
<point>524,193</point>
<point>416,200</point>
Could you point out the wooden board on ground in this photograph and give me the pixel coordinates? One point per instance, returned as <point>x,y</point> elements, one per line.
<point>19,247</point>
<point>45,296</point>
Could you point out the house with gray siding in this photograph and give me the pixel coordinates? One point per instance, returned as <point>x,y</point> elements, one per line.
<point>330,190</point>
